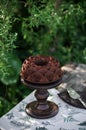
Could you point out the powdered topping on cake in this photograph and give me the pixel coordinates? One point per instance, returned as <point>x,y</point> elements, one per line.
<point>41,69</point>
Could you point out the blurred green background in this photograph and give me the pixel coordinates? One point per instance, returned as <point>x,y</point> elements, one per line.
<point>31,27</point>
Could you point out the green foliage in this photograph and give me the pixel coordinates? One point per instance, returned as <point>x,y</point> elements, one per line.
<point>10,64</point>
<point>10,69</point>
<point>73,35</point>
<point>40,27</point>
<point>31,27</point>
<point>59,29</point>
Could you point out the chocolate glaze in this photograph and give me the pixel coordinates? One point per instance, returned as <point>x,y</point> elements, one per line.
<point>41,69</point>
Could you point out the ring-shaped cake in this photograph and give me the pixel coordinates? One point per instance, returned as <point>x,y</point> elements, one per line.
<point>41,69</point>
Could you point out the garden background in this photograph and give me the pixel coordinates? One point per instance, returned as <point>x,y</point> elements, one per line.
<point>32,27</point>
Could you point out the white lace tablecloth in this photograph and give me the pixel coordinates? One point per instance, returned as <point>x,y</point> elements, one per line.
<point>68,117</point>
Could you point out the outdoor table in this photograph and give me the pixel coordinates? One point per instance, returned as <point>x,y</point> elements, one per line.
<point>67,118</point>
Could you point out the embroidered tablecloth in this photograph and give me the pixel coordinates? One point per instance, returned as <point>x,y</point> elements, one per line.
<point>68,117</point>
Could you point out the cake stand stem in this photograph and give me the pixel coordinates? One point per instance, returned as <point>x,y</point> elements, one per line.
<point>42,95</point>
<point>42,108</point>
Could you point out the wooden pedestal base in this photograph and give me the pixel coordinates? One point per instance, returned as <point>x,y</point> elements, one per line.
<point>41,111</point>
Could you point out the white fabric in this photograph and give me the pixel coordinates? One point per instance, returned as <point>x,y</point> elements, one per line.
<point>68,117</point>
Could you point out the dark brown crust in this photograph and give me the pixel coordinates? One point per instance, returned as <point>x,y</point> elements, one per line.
<point>41,69</point>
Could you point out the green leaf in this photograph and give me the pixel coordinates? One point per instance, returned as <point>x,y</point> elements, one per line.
<point>12,70</point>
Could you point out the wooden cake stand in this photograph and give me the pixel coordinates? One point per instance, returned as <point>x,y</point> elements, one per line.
<point>41,109</point>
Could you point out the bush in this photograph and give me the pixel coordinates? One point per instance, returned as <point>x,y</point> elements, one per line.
<point>52,29</point>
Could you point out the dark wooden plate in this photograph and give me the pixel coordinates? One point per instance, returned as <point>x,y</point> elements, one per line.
<point>74,102</point>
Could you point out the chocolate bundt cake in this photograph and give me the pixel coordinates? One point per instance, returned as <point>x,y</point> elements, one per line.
<point>41,69</point>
